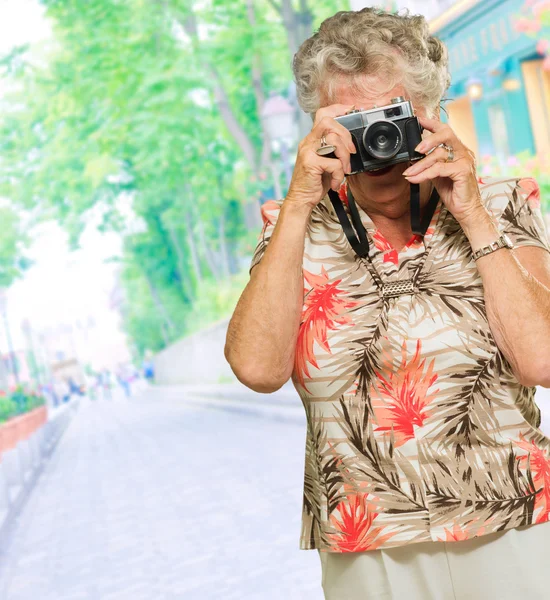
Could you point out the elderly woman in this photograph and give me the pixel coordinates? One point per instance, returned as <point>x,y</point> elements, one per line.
<point>426,473</point>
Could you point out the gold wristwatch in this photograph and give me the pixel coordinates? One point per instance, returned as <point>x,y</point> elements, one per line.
<point>503,242</point>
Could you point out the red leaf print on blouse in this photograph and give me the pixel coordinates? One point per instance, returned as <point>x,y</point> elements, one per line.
<point>540,469</point>
<point>343,193</point>
<point>462,532</point>
<point>266,208</point>
<point>382,244</point>
<point>533,191</point>
<point>324,309</point>
<point>355,525</point>
<point>402,399</point>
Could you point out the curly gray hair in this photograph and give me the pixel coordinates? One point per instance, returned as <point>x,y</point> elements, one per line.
<point>396,48</point>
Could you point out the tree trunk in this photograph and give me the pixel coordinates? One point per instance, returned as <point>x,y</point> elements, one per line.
<point>206,251</point>
<point>223,246</point>
<point>276,180</point>
<point>192,247</point>
<point>166,324</point>
<point>186,284</point>
<point>228,115</point>
<point>258,88</point>
<point>224,254</point>
<point>298,26</point>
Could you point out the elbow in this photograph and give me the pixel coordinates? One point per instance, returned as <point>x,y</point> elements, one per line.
<point>253,377</point>
<point>258,382</point>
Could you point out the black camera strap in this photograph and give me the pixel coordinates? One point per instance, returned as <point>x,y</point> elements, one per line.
<point>420,226</point>
<point>361,244</point>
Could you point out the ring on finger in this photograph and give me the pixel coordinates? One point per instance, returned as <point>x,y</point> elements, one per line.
<point>325,148</point>
<point>450,151</point>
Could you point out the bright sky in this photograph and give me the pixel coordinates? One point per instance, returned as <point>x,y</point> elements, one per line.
<point>21,21</point>
<point>62,287</point>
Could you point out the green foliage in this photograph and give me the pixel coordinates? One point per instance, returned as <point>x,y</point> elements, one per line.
<point>216,301</point>
<point>13,243</point>
<point>149,111</point>
<point>18,401</point>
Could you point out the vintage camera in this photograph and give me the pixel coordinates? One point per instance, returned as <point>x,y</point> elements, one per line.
<point>383,136</point>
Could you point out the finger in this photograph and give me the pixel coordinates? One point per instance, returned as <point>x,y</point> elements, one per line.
<point>334,110</point>
<point>439,169</point>
<point>437,155</point>
<point>436,140</point>
<point>342,151</point>
<point>334,168</point>
<point>443,136</point>
<point>328,125</point>
<point>433,125</point>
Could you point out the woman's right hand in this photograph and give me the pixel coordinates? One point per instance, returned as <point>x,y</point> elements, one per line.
<point>314,175</point>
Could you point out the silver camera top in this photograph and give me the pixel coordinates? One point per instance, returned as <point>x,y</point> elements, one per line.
<point>397,109</point>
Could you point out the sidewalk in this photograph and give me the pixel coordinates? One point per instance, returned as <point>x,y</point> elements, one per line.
<point>155,498</point>
<point>282,405</point>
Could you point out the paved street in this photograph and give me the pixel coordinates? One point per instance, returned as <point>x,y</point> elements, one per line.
<point>160,498</point>
<point>155,498</point>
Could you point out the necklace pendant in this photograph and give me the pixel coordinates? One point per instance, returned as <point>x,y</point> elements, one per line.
<point>403,287</point>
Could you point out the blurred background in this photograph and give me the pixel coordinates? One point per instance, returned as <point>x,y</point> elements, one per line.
<point>138,141</point>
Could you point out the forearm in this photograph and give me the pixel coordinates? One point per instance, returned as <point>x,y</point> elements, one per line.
<point>262,333</point>
<point>517,304</point>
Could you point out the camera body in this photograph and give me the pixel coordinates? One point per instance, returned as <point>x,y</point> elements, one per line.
<point>383,136</point>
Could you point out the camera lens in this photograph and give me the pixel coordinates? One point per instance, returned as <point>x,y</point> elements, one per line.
<point>382,139</point>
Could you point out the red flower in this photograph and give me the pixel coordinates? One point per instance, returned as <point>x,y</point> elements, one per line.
<point>323,310</point>
<point>401,400</point>
<point>355,525</point>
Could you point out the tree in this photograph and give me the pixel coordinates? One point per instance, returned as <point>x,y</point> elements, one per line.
<point>158,102</point>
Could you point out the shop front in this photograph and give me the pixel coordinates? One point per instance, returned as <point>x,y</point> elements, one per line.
<point>499,100</point>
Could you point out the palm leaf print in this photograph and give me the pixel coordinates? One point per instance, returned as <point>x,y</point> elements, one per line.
<point>538,463</point>
<point>323,473</point>
<point>374,465</point>
<point>461,491</point>
<point>464,415</point>
<point>354,521</point>
<point>402,401</point>
<point>525,224</point>
<point>325,307</point>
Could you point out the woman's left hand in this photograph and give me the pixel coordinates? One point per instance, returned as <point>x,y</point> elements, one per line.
<point>456,181</point>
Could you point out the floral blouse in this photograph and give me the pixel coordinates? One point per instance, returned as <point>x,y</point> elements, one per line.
<point>417,428</point>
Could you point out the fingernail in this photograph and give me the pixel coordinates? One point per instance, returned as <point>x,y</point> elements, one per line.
<point>407,171</point>
<point>421,147</point>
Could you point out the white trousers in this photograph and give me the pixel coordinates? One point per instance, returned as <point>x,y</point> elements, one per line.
<point>508,565</point>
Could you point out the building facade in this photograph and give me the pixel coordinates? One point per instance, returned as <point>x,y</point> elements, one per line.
<point>499,100</point>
